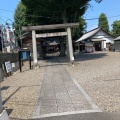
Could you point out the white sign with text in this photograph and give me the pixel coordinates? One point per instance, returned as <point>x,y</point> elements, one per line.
<point>8,66</point>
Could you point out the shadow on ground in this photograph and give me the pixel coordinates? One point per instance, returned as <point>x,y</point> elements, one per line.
<point>9,111</point>
<point>4,88</point>
<point>89,56</point>
<point>78,57</point>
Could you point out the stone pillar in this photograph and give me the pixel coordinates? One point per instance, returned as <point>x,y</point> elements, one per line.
<point>3,113</point>
<point>34,47</point>
<point>70,47</point>
<point>1,107</point>
<point>1,75</point>
<point>67,47</point>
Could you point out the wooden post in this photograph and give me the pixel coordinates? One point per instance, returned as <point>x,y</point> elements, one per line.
<point>20,66</point>
<point>34,47</point>
<point>30,59</point>
<point>70,47</point>
<point>1,107</point>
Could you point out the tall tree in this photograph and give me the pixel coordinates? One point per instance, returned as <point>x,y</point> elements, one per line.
<point>116,28</point>
<point>78,32</point>
<point>56,11</point>
<point>103,22</point>
<point>20,20</point>
<point>40,12</point>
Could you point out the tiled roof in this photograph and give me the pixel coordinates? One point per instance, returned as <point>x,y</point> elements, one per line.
<point>88,34</point>
<point>118,38</point>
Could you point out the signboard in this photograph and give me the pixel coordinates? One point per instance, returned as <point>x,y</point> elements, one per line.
<point>13,64</point>
<point>8,66</point>
<point>24,55</point>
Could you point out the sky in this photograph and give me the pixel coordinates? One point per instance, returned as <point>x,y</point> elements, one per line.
<point>7,8</point>
<point>110,7</point>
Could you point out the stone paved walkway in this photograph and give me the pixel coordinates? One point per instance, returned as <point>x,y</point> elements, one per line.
<point>61,94</point>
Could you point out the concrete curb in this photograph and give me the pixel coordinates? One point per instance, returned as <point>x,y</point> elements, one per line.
<point>4,115</point>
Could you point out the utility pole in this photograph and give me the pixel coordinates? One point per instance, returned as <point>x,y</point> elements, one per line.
<point>2,37</point>
<point>20,37</point>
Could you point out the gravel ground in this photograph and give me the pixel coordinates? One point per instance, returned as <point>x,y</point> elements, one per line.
<point>99,75</point>
<point>20,91</point>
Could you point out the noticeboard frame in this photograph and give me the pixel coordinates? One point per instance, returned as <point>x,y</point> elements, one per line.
<point>27,55</point>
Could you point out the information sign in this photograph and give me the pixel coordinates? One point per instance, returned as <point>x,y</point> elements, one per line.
<point>8,66</point>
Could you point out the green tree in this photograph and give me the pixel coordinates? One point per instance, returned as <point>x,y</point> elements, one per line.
<point>78,32</point>
<point>103,22</point>
<point>40,12</point>
<point>20,20</point>
<point>56,11</point>
<point>116,28</point>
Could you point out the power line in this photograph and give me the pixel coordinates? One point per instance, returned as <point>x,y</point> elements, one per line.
<point>105,9</point>
<point>106,17</point>
<point>88,9</point>
<point>2,20</point>
<point>30,15</point>
<point>6,10</point>
<point>56,18</point>
<point>5,17</point>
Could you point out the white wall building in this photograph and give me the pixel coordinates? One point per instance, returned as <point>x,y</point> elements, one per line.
<point>8,40</point>
<point>95,40</point>
<point>117,44</point>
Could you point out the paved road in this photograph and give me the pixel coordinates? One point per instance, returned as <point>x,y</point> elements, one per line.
<point>85,116</point>
<point>61,94</point>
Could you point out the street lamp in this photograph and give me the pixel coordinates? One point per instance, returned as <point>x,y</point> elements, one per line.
<point>7,24</point>
<point>2,36</point>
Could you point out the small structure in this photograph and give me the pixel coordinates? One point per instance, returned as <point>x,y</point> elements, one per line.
<point>51,45</point>
<point>117,44</point>
<point>94,40</point>
<point>7,39</point>
<point>24,55</point>
<point>26,43</point>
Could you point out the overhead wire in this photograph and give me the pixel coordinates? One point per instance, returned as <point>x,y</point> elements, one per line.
<point>55,18</point>
<point>49,17</point>
<point>2,19</point>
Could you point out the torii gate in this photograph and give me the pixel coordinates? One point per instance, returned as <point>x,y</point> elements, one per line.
<point>66,26</point>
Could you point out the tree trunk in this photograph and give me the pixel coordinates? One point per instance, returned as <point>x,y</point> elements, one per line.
<point>62,47</point>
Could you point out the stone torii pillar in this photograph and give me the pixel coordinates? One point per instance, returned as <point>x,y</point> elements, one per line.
<point>70,48</point>
<point>34,47</point>
<point>3,113</point>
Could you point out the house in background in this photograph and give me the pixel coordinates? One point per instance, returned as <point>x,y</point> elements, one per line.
<point>94,40</point>
<point>44,45</point>
<point>7,39</point>
<point>117,44</point>
<point>26,43</point>
<point>51,46</point>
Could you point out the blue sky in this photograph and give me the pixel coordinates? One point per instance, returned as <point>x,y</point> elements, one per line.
<point>110,7</point>
<point>9,5</point>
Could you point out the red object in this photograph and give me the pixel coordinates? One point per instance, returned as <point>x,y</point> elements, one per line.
<point>10,39</point>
